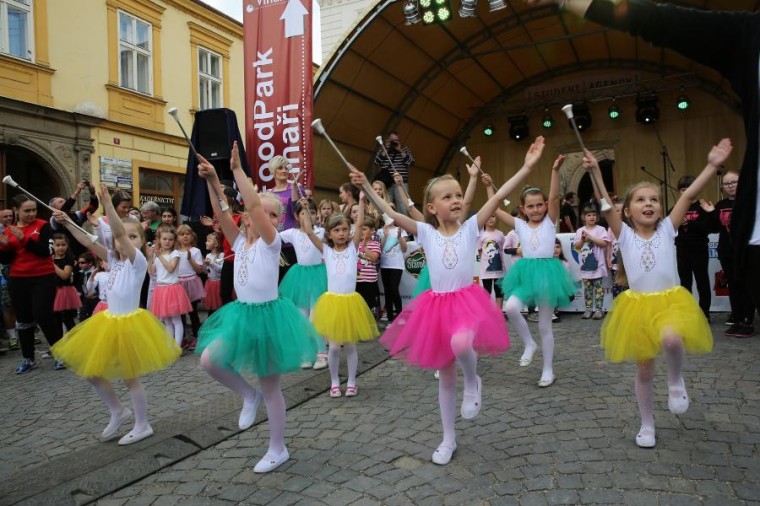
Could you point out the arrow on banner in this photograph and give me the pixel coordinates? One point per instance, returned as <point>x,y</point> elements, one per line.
<point>293,16</point>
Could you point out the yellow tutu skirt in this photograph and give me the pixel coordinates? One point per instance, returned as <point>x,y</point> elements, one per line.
<point>117,346</point>
<point>344,318</point>
<point>637,322</point>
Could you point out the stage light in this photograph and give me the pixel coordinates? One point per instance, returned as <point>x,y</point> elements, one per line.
<point>467,10</point>
<point>682,103</point>
<point>412,12</point>
<point>435,11</point>
<point>518,127</point>
<point>488,130</point>
<point>496,5</point>
<point>548,120</point>
<point>647,111</point>
<point>613,111</point>
<point>582,116</point>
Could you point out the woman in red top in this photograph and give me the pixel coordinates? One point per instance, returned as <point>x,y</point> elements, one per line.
<point>32,280</point>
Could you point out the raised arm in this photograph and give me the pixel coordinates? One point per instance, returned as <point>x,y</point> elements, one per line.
<point>531,158</point>
<point>553,211</point>
<point>718,154</point>
<point>501,215</point>
<point>358,235</point>
<point>82,238</point>
<point>358,178</point>
<point>308,227</point>
<point>469,192</point>
<point>218,200</point>
<point>121,241</point>
<point>414,213</point>
<point>613,218</point>
<point>253,205</point>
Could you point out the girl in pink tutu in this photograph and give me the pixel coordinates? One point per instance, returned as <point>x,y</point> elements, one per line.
<point>67,299</point>
<point>169,300</point>
<point>455,320</point>
<point>213,263</point>
<point>190,265</point>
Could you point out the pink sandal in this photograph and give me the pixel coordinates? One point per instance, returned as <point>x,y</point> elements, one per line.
<point>351,391</point>
<point>335,392</point>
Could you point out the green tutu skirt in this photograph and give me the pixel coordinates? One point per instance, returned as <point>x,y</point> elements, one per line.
<point>539,282</point>
<point>423,282</point>
<point>259,339</point>
<point>304,284</point>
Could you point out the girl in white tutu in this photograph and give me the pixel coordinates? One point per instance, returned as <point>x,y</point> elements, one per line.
<point>169,301</point>
<point>260,333</point>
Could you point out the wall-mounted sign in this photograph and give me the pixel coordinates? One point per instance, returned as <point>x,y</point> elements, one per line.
<point>116,173</point>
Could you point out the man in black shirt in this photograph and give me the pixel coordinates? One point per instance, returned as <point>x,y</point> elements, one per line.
<point>400,160</point>
<point>568,220</point>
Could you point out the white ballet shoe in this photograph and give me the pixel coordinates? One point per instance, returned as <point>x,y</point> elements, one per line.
<point>136,435</point>
<point>645,438</point>
<point>442,454</point>
<point>678,399</point>
<point>270,462</point>
<point>527,356</point>
<point>546,382</point>
<point>113,426</point>
<point>471,402</point>
<point>248,413</point>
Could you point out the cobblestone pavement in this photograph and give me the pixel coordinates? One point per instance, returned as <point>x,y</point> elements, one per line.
<point>572,443</point>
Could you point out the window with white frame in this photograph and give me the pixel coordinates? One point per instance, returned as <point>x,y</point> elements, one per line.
<point>209,79</point>
<point>16,28</point>
<point>135,54</point>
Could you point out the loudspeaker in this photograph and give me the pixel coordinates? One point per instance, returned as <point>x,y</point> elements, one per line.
<point>214,133</point>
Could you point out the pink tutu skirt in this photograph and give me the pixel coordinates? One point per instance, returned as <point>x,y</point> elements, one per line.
<point>66,298</point>
<point>101,306</point>
<point>193,287</point>
<point>213,300</point>
<point>421,334</point>
<point>170,300</point>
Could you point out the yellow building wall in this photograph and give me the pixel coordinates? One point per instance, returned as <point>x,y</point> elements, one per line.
<point>84,78</point>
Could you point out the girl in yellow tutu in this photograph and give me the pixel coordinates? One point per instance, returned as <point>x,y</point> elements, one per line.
<point>656,313</point>
<point>122,342</point>
<point>340,314</point>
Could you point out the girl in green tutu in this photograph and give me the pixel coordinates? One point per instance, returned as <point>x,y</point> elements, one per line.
<point>538,278</point>
<point>260,333</point>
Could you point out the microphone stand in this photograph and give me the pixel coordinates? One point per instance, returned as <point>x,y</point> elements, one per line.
<point>667,163</point>
<point>663,184</point>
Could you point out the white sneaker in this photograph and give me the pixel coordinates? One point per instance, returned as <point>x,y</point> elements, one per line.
<point>136,435</point>
<point>442,454</point>
<point>114,424</point>
<point>248,413</point>
<point>471,402</point>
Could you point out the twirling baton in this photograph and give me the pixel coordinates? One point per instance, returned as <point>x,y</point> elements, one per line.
<point>382,145</point>
<point>317,126</point>
<point>10,182</point>
<point>466,153</point>
<point>568,110</point>
<point>174,114</point>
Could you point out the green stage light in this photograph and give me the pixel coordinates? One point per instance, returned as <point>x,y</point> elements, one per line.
<point>682,103</point>
<point>613,112</point>
<point>435,11</point>
<point>488,130</point>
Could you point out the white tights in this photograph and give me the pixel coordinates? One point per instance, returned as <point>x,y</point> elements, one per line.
<point>105,390</point>
<point>461,345</point>
<point>175,328</point>
<point>674,355</point>
<point>517,322</point>
<point>273,399</point>
<point>333,362</point>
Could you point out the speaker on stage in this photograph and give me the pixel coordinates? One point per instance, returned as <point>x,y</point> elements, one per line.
<point>214,131</point>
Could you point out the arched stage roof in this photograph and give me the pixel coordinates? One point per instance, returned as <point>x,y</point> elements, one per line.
<point>435,84</point>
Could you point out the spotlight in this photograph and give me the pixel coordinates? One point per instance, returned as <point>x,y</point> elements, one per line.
<point>518,127</point>
<point>647,111</point>
<point>435,11</point>
<point>613,111</point>
<point>682,103</point>
<point>496,5</point>
<point>488,130</point>
<point>467,10</point>
<point>411,12</point>
<point>582,116</point>
<point>548,120</point>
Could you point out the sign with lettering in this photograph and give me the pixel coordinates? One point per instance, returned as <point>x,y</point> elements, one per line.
<point>278,86</point>
<point>116,173</point>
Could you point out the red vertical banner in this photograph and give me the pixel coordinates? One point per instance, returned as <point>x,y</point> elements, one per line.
<point>278,86</point>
